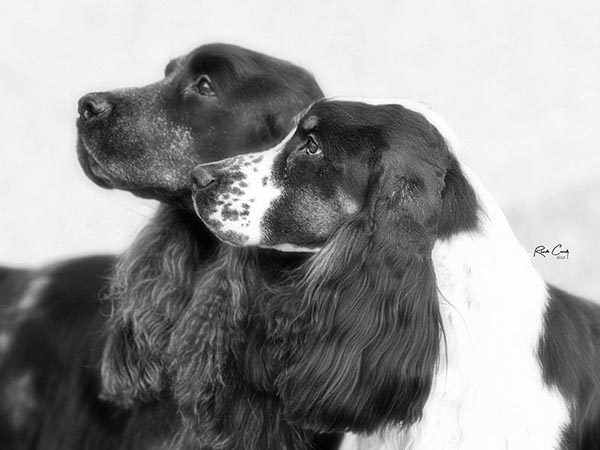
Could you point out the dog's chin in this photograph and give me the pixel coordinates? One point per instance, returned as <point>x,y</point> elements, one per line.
<point>202,207</point>
<point>106,179</point>
<point>92,168</point>
<point>180,197</point>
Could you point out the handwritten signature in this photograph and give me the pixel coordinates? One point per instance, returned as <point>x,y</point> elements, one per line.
<point>557,251</point>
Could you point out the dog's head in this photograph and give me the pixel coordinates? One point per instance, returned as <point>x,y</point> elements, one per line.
<point>369,189</point>
<point>343,159</point>
<point>217,101</point>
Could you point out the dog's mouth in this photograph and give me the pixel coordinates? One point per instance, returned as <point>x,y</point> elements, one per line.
<point>92,167</point>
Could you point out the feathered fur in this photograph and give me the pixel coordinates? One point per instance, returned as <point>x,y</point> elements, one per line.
<point>193,328</point>
<point>152,283</point>
<point>370,302</point>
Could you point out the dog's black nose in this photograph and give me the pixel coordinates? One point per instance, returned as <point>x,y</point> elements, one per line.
<point>93,106</point>
<point>202,177</point>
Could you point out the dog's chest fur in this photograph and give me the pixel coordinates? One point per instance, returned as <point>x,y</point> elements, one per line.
<point>488,391</point>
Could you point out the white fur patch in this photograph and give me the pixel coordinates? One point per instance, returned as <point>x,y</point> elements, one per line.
<point>238,215</point>
<point>488,389</point>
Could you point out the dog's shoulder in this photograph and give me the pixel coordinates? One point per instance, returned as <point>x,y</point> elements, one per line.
<point>51,334</point>
<point>570,357</point>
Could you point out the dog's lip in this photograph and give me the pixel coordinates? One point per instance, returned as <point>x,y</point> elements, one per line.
<point>206,221</point>
<point>95,167</point>
<point>196,203</point>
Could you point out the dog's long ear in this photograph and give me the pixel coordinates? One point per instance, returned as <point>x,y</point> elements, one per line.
<point>370,307</point>
<point>153,282</point>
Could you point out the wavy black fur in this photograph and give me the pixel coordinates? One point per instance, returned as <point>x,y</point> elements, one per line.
<point>152,283</point>
<point>371,319</point>
<point>189,321</point>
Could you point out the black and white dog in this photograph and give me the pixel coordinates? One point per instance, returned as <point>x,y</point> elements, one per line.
<point>418,322</point>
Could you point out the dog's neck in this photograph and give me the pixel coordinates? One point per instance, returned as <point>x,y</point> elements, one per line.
<point>488,387</point>
<point>492,302</point>
<point>487,283</point>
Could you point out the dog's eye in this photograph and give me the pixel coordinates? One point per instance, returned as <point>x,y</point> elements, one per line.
<point>312,147</point>
<point>203,86</point>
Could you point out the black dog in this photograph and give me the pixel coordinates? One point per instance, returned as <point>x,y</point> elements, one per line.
<point>179,298</point>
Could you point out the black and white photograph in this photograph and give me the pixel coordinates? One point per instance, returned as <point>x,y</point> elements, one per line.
<point>302,225</point>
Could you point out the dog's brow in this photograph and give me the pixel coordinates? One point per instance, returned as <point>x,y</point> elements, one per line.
<point>310,122</point>
<point>298,117</point>
<point>172,65</point>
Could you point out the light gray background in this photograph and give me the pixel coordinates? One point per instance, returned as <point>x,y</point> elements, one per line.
<point>519,81</point>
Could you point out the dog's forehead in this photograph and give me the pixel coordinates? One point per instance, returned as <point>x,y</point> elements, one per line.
<point>319,115</point>
<point>331,111</point>
<point>208,58</point>
<point>355,126</point>
<point>318,109</point>
<point>418,107</point>
<point>335,119</point>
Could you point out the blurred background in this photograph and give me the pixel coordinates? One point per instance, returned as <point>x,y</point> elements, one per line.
<point>519,82</point>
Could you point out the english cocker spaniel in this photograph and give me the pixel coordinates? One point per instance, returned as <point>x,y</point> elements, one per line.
<point>163,358</point>
<point>418,322</point>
